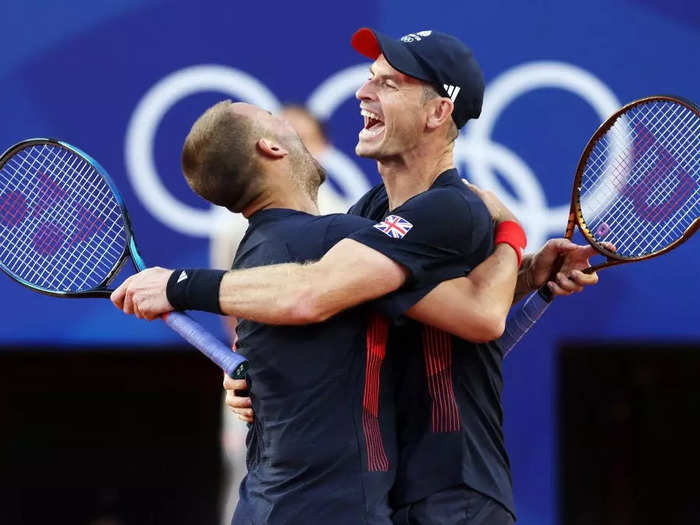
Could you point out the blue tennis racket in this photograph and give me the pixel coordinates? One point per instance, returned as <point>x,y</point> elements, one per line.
<point>65,232</point>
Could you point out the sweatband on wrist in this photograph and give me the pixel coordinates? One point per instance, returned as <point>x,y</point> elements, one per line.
<point>195,290</point>
<point>510,232</point>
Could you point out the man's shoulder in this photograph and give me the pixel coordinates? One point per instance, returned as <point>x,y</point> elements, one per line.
<point>340,220</point>
<point>452,196</point>
<point>439,200</point>
<point>338,226</point>
<point>375,200</point>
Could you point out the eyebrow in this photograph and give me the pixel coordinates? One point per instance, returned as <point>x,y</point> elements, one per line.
<point>389,76</point>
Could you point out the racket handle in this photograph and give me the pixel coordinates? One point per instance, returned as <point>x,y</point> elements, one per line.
<point>235,365</point>
<point>520,322</point>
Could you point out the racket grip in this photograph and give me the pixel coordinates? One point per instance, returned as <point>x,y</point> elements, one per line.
<point>235,365</point>
<point>520,321</point>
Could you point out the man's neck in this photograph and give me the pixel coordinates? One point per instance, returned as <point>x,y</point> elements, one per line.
<point>408,175</point>
<point>288,198</point>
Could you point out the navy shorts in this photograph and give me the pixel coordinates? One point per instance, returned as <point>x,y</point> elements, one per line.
<point>454,506</point>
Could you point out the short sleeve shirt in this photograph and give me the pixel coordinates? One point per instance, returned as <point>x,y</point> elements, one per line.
<point>322,448</point>
<point>450,419</point>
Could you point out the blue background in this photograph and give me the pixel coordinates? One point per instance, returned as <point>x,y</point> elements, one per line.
<point>77,70</point>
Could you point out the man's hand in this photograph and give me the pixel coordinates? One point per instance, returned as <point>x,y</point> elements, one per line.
<point>570,278</point>
<point>240,405</point>
<point>143,294</point>
<point>499,212</point>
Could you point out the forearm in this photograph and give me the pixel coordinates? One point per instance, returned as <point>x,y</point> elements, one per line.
<point>273,294</point>
<point>349,274</point>
<point>525,283</point>
<point>473,307</point>
<point>494,281</point>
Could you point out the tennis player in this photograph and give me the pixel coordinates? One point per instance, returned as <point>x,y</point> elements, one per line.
<point>436,214</point>
<point>327,451</point>
<point>453,466</point>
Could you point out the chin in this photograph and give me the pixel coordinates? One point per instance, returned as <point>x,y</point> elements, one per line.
<point>365,151</point>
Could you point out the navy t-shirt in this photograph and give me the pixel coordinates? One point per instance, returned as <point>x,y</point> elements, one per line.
<point>322,448</point>
<point>450,418</point>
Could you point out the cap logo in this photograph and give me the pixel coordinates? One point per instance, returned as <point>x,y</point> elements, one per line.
<point>416,37</point>
<point>452,91</point>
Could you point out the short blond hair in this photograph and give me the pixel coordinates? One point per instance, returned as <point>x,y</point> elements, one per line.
<point>218,158</point>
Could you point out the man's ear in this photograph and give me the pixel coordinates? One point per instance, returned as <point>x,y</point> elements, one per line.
<point>439,111</point>
<point>271,149</point>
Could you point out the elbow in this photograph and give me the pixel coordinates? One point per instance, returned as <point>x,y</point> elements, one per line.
<point>312,299</point>
<point>307,307</point>
<point>495,328</point>
<point>489,328</point>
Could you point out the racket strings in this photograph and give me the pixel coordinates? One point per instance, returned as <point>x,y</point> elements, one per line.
<point>91,193</point>
<point>642,239</point>
<point>70,234</point>
<point>664,192</point>
<point>104,195</point>
<point>670,192</point>
<point>619,140</point>
<point>612,148</point>
<point>48,234</point>
<point>66,273</point>
<point>38,198</point>
<point>639,188</point>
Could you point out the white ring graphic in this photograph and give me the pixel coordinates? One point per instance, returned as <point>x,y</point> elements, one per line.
<point>477,150</point>
<point>142,128</point>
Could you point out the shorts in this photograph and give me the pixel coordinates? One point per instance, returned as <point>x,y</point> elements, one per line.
<point>454,506</point>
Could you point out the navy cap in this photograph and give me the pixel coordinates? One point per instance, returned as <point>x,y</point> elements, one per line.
<point>437,58</point>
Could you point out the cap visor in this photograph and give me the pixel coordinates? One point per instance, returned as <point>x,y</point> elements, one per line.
<point>365,42</point>
<point>372,44</point>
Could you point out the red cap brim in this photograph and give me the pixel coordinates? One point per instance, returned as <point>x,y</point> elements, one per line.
<point>365,42</point>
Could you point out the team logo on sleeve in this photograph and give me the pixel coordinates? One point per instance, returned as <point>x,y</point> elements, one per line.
<point>394,226</point>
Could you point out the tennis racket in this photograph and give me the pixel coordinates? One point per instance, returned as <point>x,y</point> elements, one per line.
<point>637,187</point>
<point>65,232</point>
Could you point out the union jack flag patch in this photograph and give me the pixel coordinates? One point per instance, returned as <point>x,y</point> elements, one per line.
<point>394,226</point>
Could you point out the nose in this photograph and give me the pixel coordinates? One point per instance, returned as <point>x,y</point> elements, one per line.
<point>365,92</point>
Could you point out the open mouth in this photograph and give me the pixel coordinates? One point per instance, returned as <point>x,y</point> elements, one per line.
<point>373,123</point>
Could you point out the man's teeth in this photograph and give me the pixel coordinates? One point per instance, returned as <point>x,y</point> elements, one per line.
<point>371,115</point>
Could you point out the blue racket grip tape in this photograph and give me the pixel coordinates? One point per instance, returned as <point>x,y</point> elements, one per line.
<point>521,320</point>
<point>235,365</point>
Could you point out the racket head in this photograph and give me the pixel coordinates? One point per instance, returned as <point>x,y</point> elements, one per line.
<point>637,184</point>
<point>64,228</point>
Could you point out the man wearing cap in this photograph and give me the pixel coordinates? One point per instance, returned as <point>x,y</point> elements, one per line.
<point>453,465</point>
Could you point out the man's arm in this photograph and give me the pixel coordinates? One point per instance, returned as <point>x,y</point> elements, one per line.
<point>476,307</point>
<point>472,307</point>
<point>350,273</point>
<point>536,269</point>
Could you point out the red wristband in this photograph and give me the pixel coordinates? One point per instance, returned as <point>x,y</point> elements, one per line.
<point>511,233</point>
